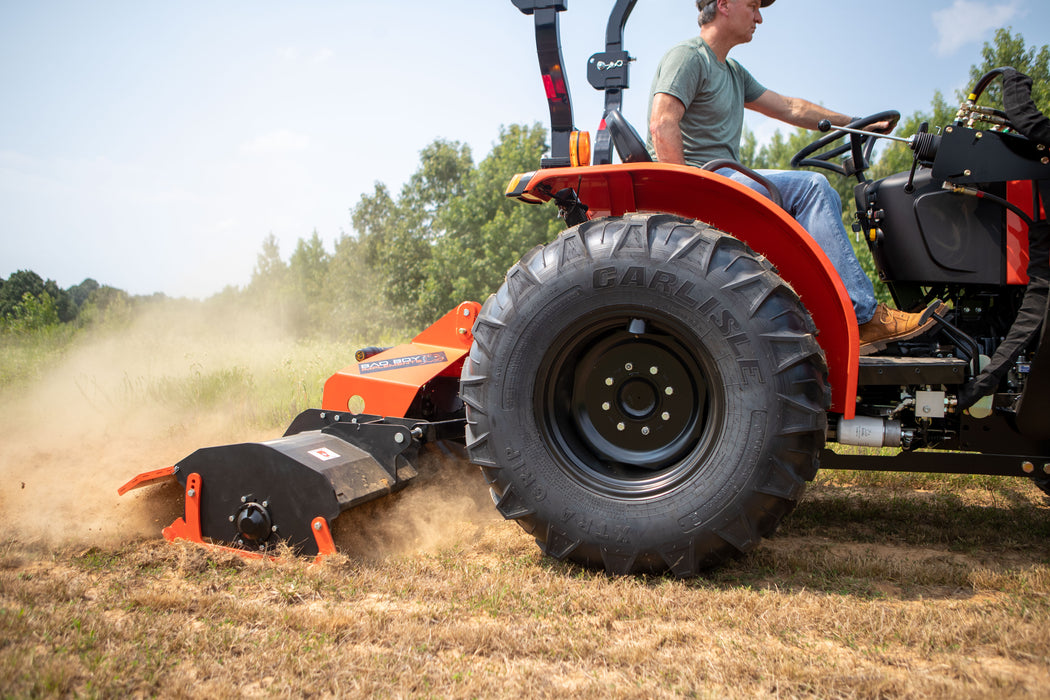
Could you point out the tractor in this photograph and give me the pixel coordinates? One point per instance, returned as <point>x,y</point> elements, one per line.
<point>651,391</point>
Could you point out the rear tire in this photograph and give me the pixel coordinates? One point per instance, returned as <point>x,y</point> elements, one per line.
<point>645,394</point>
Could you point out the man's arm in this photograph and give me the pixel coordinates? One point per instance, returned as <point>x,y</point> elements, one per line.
<point>665,127</point>
<point>795,111</point>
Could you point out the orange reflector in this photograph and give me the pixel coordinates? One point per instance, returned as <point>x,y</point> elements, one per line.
<point>513,184</point>
<point>580,148</point>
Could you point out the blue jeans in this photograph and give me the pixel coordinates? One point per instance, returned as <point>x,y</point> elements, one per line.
<point>811,200</point>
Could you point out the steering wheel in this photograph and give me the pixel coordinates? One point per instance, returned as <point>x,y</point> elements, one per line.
<point>859,146</point>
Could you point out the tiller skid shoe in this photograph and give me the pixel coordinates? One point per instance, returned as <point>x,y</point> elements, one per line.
<point>253,496</point>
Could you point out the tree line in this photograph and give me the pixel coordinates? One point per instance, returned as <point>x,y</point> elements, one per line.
<point>29,303</point>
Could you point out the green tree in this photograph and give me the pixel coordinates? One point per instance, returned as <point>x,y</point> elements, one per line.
<point>308,266</point>
<point>397,236</point>
<point>23,282</point>
<point>79,293</point>
<point>484,231</point>
<point>1008,49</point>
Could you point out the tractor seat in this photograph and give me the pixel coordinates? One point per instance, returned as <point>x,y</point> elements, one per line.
<point>629,145</point>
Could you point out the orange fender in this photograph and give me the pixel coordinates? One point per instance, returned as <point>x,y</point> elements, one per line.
<point>614,190</point>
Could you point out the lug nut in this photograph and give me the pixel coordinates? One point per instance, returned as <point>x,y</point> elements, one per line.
<point>669,390</point>
<point>606,406</point>
<point>1027,467</point>
<point>608,381</point>
<point>653,370</point>
<point>645,430</point>
<point>317,525</point>
<point>665,415</point>
<point>621,427</point>
<point>629,366</point>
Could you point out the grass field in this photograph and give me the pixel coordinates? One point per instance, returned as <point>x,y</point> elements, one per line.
<point>878,585</point>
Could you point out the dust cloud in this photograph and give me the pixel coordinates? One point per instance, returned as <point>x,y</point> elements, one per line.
<point>98,417</point>
<point>105,413</point>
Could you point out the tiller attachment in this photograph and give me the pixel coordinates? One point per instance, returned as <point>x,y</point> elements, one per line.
<point>255,495</point>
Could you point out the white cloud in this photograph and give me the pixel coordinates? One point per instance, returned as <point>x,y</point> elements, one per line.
<point>279,142</point>
<point>969,21</point>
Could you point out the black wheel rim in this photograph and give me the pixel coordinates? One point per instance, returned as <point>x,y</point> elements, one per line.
<point>630,402</point>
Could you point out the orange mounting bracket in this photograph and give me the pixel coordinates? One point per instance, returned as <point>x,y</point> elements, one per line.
<point>188,527</point>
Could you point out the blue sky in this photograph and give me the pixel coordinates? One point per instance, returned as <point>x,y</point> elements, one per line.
<point>154,145</point>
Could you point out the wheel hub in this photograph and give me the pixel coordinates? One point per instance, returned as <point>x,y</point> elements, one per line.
<point>638,400</point>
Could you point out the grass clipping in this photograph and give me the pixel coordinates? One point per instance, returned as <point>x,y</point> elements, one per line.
<point>877,585</point>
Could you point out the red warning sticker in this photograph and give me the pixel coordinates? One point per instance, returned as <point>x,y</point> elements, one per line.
<point>324,454</point>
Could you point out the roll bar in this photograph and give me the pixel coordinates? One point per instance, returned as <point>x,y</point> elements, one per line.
<point>607,71</point>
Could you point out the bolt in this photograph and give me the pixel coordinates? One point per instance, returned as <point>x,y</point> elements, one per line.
<point>244,499</point>
<point>926,409</point>
<point>273,528</point>
<point>336,417</point>
<point>175,469</point>
<point>978,135</point>
<point>628,366</point>
<point>645,430</point>
<point>265,504</point>
<point>317,525</point>
<point>669,390</point>
<point>322,415</point>
<point>466,312</point>
<point>665,415</point>
<point>1027,467</point>
<point>967,172</point>
<point>399,438</point>
<point>262,548</point>
<point>1046,468</point>
<point>191,493</point>
<point>606,406</point>
<point>621,427</point>
<point>654,370</point>
<point>1044,160</point>
<point>230,518</point>
<point>608,381</point>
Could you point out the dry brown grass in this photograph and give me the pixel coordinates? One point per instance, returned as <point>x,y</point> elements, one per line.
<point>877,586</point>
<point>473,610</point>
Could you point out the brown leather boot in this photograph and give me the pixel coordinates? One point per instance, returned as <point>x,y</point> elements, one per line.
<point>890,325</point>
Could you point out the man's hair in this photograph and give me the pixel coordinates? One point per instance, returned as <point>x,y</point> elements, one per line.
<point>708,9</point>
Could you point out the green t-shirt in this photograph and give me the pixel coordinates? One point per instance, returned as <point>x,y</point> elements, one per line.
<point>714,94</point>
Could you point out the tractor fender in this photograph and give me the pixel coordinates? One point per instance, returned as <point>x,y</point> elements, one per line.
<point>615,190</point>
